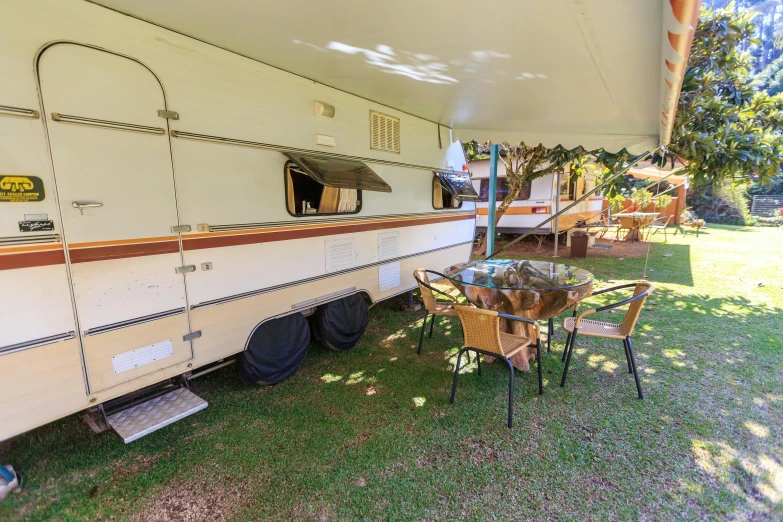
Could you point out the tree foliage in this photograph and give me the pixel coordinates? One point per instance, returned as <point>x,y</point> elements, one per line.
<point>525,163</point>
<point>724,128</point>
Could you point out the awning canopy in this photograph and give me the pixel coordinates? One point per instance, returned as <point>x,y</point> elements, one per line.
<point>597,73</point>
<point>646,170</point>
<point>339,173</point>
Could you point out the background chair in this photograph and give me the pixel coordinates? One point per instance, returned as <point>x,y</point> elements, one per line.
<point>622,331</point>
<point>483,336</point>
<point>659,224</point>
<point>432,306</point>
<point>610,223</point>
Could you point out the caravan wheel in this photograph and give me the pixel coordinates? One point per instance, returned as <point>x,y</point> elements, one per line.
<point>275,351</point>
<point>340,324</point>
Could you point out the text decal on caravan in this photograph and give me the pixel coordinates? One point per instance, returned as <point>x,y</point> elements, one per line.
<point>21,189</point>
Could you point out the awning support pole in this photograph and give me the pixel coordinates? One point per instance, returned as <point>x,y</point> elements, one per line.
<point>586,195</point>
<point>557,211</point>
<point>492,199</point>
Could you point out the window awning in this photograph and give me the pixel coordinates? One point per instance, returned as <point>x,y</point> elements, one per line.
<point>339,173</point>
<point>458,184</point>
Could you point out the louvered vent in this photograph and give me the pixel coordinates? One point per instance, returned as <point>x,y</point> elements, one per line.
<point>384,132</point>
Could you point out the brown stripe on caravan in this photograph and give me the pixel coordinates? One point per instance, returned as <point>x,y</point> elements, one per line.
<point>24,257</point>
<point>305,232</point>
<point>103,253</point>
<point>31,259</point>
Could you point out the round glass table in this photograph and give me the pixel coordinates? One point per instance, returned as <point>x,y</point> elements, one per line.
<point>532,289</point>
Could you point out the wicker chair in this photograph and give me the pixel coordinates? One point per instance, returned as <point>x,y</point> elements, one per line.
<point>608,223</point>
<point>432,306</point>
<point>659,224</point>
<point>483,336</point>
<point>579,324</point>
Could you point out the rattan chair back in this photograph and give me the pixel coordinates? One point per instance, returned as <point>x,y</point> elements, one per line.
<point>635,308</point>
<point>481,328</point>
<point>426,293</point>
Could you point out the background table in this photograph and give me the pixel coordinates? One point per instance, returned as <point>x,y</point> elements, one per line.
<point>633,221</point>
<point>532,289</point>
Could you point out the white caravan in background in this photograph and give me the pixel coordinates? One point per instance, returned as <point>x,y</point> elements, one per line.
<point>536,202</point>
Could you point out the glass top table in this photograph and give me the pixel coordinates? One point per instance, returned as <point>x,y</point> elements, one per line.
<point>509,274</point>
<point>531,289</point>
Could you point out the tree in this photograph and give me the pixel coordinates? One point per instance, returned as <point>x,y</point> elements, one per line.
<point>524,163</point>
<point>725,129</point>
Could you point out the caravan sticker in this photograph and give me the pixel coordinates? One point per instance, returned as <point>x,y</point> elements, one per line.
<point>21,189</point>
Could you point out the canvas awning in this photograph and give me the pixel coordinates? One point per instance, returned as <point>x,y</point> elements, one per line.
<point>572,72</point>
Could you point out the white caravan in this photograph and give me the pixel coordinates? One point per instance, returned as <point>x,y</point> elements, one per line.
<point>176,175</point>
<point>536,201</point>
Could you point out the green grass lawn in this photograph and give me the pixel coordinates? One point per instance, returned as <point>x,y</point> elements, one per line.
<point>370,435</point>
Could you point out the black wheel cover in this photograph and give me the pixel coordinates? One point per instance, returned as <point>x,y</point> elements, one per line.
<point>340,324</point>
<point>275,350</point>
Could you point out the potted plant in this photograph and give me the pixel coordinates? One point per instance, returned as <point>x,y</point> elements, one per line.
<point>662,202</point>
<point>641,199</point>
<point>616,204</point>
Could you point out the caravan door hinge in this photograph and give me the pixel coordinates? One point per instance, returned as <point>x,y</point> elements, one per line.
<point>185,269</point>
<point>180,228</point>
<point>169,115</point>
<point>191,336</point>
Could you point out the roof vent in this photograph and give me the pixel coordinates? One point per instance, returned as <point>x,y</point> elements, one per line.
<point>384,132</point>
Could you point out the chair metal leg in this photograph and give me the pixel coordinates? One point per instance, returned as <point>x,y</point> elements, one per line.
<point>550,331</point>
<point>627,358</point>
<point>421,336</point>
<point>478,361</point>
<point>568,358</point>
<point>635,371</point>
<point>568,340</point>
<point>540,370</point>
<point>432,325</point>
<point>456,374</point>
<point>510,392</point>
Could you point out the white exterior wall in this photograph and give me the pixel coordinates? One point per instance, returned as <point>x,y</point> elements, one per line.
<point>220,94</point>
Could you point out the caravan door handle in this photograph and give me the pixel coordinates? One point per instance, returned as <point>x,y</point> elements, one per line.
<point>81,205</point>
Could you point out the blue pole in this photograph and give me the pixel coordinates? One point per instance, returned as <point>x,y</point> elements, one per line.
<point>493,183</point>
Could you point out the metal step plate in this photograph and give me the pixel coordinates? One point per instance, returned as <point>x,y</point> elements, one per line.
<point>144,418</point>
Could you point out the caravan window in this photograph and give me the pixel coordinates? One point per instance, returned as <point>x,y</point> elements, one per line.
<point>568,189</point>
<point>306,196</point>
<point>502,191</point>
<point>325,185</point>
<point>450,189</point>
<point>442,198</point>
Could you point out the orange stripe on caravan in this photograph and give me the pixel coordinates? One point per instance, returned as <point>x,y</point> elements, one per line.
<point>513,211</point>
<point>29,248</point>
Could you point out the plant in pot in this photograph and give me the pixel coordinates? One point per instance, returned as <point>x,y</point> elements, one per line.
<point>662,202</point>
<point>616,204</point>
<point>641,199</point>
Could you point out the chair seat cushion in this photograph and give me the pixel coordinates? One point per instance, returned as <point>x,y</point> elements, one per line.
<point>594,328</point>
<point>512,343</point>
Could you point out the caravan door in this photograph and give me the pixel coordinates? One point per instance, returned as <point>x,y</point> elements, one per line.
<point>115,185</point>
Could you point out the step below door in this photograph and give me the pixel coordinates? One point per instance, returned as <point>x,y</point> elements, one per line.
<point>115,184</point>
